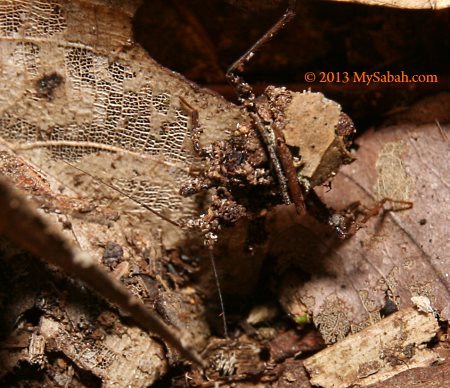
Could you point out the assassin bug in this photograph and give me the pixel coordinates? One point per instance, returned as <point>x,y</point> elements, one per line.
<point>256,167</point>
<point>268,163</point>
<point>269,160</point>
<point>241,173</point>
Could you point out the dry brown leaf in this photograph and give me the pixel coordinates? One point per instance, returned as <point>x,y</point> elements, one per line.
<point>347,285</point>
<point>68,66</point>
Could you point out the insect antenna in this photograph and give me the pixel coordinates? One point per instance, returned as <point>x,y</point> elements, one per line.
<point>219,291</point>
<point>195,138</point>
<point>244,90</point>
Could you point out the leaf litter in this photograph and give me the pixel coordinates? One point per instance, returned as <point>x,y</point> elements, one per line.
<point>347,287</point>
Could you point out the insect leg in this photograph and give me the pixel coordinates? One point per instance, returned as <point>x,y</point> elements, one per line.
<point>290,173</point>
<point>219,291</point>
<point>269,140</point>
<point>368,213</point>
<point>343,222</point>
<point>272,140</point>
<point>244,90</point>
<point>348,221</point>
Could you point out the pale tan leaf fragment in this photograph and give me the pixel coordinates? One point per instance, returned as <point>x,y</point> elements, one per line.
<point>314,127</point>
<point>412,4</point>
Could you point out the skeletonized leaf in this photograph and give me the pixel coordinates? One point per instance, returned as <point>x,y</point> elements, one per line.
<point>73,85</point>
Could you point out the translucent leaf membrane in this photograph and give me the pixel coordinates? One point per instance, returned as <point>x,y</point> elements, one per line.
<point>74,86</point>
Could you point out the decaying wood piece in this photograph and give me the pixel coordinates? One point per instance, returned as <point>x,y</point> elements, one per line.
<point>378,352</point>
<point>435,376</point>
<point>412,4</point>
<point>124,358</point>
